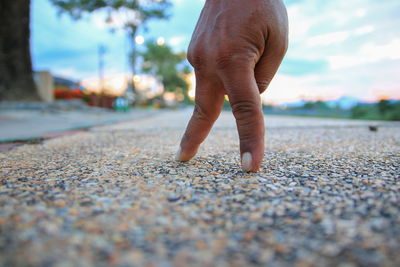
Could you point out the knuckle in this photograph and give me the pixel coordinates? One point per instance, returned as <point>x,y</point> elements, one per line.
<point>201,114</point>
<point>262,86</point>
<point>245,110</point>
<point>228,57</point>
<point>224,60</point>
<point>194,59</point>
<point>283,48</point>
<point>195,56</point>
<point>281,45</point>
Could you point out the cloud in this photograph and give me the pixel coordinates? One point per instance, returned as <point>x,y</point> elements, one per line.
<point>328,38</point>
<point>336,47</point>
<point>354,43</point>
<point>287,88</point>
<point>368,53</point>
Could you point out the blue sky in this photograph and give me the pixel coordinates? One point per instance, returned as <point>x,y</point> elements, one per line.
<point>337,48</point>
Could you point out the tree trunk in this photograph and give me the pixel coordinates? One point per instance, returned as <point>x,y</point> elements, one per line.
<point>16,78</point>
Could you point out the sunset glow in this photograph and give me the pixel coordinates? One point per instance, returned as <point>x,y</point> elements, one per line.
<point>339,48</point>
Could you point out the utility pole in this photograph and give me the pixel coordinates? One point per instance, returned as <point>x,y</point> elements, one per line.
<point>102,51</point>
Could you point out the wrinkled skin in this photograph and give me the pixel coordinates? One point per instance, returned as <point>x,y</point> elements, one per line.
<point>236,49</point>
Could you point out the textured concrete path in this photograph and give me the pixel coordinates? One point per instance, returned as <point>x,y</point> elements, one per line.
<point>328,194</point>
<point>25,124</point>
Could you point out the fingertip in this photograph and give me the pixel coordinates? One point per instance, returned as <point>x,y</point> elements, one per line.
<point>247,162</point>
<point>184,156</point>
<point>178,155</point>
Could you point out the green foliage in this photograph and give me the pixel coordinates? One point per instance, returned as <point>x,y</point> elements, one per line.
<point>169,67</point>
<point>135,13</point>
<point>384,106</point>
<point>384,110</point>
<point>365,112</point>
<point>320,105</point>
<point>147,8</point>
<point>392,111</point>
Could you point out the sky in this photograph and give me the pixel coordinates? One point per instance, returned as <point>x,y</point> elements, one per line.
<point>336,48</point>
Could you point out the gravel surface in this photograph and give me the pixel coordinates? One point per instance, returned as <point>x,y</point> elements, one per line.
<point>327,195</point>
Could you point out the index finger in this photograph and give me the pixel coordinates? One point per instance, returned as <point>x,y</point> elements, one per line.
<point>208,104</point>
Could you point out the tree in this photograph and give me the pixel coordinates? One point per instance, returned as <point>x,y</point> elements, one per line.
<point>169,67</point>
<point>389,109</point>
<point>384,106</point>
<point>319,105</point>
<point>16,81</point>
<point>383,110</point>
<point>131,14</point>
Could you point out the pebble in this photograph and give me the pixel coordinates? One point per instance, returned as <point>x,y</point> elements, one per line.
<point>326,195</point>
<point>60,203</point>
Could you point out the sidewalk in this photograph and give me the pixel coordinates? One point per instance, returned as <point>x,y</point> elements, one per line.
<point>327,195</point>
<point>41,121</point>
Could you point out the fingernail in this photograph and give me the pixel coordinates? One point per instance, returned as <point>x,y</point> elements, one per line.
<point>178,155</point>
<point>246,161</point>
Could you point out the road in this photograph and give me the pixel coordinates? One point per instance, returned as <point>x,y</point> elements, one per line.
<point>327,195</point>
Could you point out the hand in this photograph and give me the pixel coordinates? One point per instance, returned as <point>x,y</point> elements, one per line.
<point>236,49</point>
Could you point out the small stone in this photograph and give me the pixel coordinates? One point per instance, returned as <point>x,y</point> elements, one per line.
<point>373,128</point>
<point>318,217</point>
<point>174,198</point>
<point>135,256</point>
<point>282,249</point>
<point>60,203</point>
<point>73,212</point>
<point>240,197</point>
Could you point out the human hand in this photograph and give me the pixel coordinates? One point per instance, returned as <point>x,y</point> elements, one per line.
<point>236,49</point>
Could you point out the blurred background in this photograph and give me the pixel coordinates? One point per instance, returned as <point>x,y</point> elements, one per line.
<point>343,58</point>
